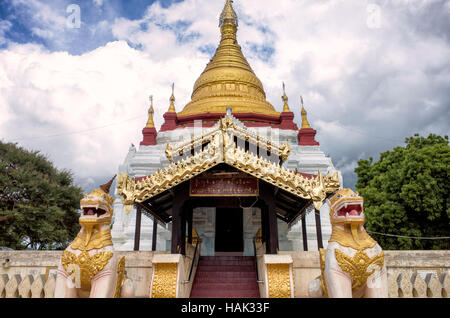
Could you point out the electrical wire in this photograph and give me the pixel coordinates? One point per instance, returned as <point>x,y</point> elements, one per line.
<point>80,131</point>
<point>413,237</point>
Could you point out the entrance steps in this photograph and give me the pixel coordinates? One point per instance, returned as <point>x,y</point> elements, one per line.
<point>225,277</point>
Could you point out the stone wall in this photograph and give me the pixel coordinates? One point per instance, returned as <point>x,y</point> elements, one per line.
<point>410,273</point>
<point>37,269</point>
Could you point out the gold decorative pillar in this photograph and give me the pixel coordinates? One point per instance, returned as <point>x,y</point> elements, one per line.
<point>166,276</point>
<point>279,280</point>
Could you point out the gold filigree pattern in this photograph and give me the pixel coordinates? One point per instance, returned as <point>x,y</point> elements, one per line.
<point>358,266</point>
<point>358,240</point>
<point>126,186</point>
<point>231,125</point>
<point>164,283</point>
<point>98,240</point>
<point>323,280</point>
<point>120,277</point>
<point>279,280</point>
<point>89,266</point>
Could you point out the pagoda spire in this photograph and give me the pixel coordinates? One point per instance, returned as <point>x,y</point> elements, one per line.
<point>286,116</point>
<point>306,135</point>
<point>228,81</point>
<point>305,123</point>
<point>285,101</point>
<point>228,23</point>
<point>228,14</point>
<point>170,117</point>
<point>149,132</point>
<point>172,101</point>
<point>151,111</point>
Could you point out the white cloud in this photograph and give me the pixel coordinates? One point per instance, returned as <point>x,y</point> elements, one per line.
<point>48,21</point>
<point>365,89</point>
<point>45,93</point>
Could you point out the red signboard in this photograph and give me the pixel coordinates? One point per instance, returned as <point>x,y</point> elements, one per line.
<point>238,185</point>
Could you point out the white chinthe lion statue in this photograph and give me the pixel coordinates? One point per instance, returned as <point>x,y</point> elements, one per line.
<point>89,267</point>
<point>353,263</point>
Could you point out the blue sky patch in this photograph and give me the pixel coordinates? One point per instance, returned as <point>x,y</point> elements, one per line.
<point>29,27</point>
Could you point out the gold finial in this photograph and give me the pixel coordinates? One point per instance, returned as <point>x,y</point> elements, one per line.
<point>305,123</point>
<point>285,100</point>
<point>150,123</point>
<point>172,100</point>
<point>228,14</point>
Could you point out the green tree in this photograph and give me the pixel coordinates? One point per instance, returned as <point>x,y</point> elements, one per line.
<point>406,192</point>
<point>38,203</point>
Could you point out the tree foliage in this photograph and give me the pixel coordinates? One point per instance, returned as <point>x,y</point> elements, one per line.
<point>406,192</point>
<point>38,203</point>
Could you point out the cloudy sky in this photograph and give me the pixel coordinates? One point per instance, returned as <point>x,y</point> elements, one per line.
<point>75,76</point>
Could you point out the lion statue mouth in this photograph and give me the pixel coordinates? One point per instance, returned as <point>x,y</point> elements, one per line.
<point>349,211</point>
<point>93,212</point>
<point>96,208</point>
<point>346,207</point>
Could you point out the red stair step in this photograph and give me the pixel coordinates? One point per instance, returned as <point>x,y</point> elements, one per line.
<point>226,274</point>
<point>225,286</point>
<point>225,277</point>
<point>225,268</point>
<point>224,294</point>
<point>229,280</point>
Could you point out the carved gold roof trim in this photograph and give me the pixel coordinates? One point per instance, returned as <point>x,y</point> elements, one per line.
<point>222,149</point>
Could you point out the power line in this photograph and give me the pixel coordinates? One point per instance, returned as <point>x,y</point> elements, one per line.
<point>79,131</point>
<point>362,132</point>
<point>413,237</point>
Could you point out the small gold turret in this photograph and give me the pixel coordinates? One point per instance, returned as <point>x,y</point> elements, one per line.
<point>305,123</point>
<point>172,101</point>
<point>150,123</point>
<point>285,101</point>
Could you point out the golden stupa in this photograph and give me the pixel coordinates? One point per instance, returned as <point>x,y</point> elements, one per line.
<point>228,80</point>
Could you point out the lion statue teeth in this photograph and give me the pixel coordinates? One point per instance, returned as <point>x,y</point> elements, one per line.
<point>353,263</point>
<point>89,267</point>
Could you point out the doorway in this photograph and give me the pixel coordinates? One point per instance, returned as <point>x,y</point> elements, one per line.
<point>229,230</point>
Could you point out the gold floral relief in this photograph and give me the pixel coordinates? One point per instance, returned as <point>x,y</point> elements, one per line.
<point>358,266</point>
<point>120,277</point>
<point>165,280</point>
<point>323,280</point>
<point>89,266</point>
<point>97,240</point>
<point>279,280</point>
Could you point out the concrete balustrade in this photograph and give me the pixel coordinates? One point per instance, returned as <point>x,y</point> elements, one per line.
<point>24,288</point>
<point>37,288</point>
<point>49,286</point>
<point>3,280</point>
<point>12,286</point>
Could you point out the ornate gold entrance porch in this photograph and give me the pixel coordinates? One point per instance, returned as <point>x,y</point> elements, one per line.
<point>227,148</point>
